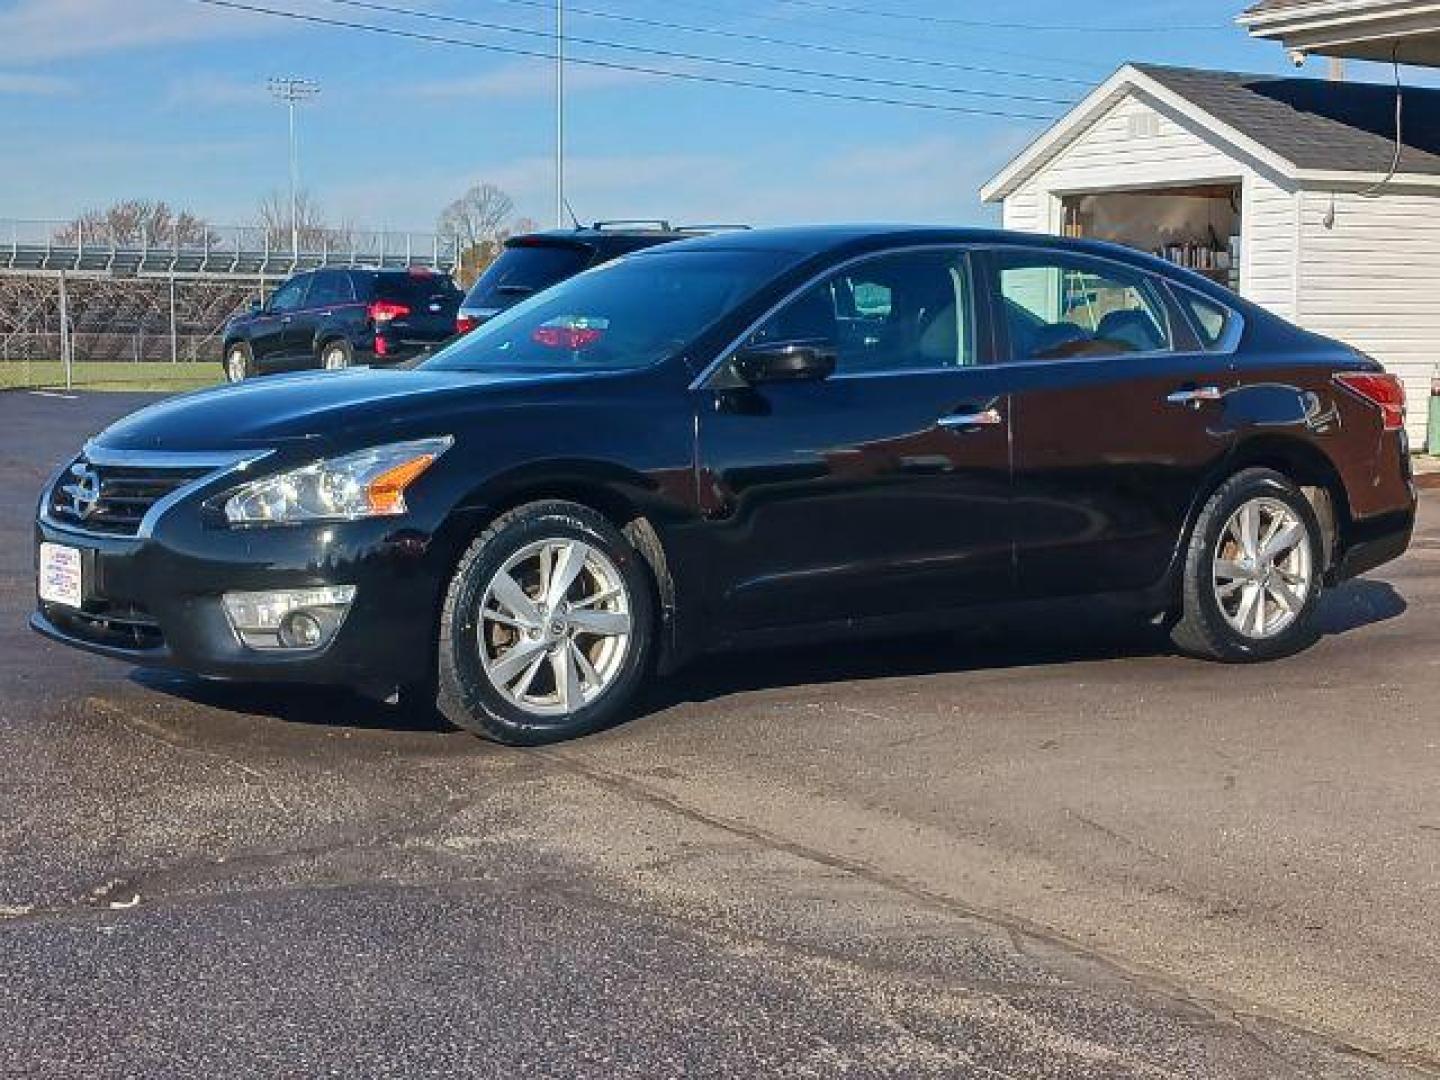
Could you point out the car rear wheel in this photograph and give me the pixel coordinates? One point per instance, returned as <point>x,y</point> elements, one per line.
<point>547,629</point>
<point>239,363</point>
<point>1253,572</point>
<point>336,355</point>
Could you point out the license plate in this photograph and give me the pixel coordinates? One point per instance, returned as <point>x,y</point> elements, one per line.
<point>62,575</point>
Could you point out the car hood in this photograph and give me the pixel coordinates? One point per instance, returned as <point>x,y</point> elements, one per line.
<point>320,406</point>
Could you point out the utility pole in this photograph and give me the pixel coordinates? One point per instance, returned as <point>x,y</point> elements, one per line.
<point>560,214</point>
<point>292,91</point>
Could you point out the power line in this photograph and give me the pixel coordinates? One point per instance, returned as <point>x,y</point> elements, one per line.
<point>672,54</point>
<point>872,32</point>
<point>685,76</point>
<point>986,24</point>
<point>810,46</point>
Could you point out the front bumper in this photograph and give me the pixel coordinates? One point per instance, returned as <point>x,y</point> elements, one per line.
<point>155,601</point>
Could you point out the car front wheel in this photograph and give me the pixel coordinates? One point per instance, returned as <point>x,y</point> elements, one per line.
<point>1253,572</point>
<point>547,629</point>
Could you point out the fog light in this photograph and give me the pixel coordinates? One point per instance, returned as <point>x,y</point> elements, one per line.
<point>300,619</point>
<point>301,630</point>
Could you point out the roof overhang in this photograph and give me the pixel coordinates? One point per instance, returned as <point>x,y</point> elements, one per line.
<point>1128,80</point>
<point>1407,30</point>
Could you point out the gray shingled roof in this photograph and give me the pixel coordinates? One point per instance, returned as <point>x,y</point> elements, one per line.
<point>1313,123</point>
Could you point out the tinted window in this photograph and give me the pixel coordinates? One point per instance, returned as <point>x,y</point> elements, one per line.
<point>330,287</point>
<point>1058,306</point>
<point>907,311</point>
<point>291,295</point>
<point>521,271</point>
<point>630,313</point>
<point>414,289</point>
<point>1212,320</point>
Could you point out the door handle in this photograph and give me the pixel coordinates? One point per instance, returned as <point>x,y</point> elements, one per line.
<point>1193,395</point>
<point>985,418</point>
<point>285,319</point>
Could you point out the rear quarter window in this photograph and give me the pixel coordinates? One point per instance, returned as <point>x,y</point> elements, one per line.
<point>1214,322</point>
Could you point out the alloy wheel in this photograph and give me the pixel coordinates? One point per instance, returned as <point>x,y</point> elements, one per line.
<point>1262,570</point>
<point>235,366</point>
<point>334,359</point>
<point>555,625</point>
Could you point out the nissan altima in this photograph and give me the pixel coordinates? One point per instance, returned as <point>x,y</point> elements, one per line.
<point>741,439</point>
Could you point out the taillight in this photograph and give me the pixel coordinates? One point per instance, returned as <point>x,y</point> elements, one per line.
<point>382,311</point>
<point>1385,392</point>
<point>382,347</point>
<point>465,323</point>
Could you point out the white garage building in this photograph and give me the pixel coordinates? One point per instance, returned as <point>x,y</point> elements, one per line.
<point>1281,188</point>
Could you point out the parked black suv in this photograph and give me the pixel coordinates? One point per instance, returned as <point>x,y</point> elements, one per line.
<point>334,318</point>
<point>535,261</point>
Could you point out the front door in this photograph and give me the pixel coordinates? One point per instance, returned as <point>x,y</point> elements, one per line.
<point>1114,414</point>
<point>270,341</point>
<point>881,490</point>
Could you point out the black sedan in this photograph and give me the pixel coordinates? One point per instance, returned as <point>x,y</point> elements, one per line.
<point>748,438</point>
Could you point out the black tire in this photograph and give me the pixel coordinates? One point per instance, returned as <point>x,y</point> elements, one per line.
<point>239,362</point>
<point>335,355</point>
<point>467,697</point>
<point>1203,630</point>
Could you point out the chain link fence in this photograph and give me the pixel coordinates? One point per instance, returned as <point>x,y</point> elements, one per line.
<point>85,331</point>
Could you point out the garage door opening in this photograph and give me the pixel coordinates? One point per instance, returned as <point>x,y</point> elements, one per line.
<point>1196,226</point>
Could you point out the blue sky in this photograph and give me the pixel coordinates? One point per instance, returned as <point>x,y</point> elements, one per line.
<point>105,99</point>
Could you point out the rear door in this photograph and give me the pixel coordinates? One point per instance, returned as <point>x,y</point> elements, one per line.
<point>329,291</point>
<point>1114,409</point>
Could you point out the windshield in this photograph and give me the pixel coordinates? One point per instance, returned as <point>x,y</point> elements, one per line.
<point>630,313</point>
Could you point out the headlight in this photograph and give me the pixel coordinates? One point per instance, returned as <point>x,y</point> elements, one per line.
<point>370,483</point>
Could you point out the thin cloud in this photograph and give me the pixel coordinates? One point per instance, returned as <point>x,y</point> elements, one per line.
<point>14,82</point>
<point>527,80</point>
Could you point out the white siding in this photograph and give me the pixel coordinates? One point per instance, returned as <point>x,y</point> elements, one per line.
<point>1268,233</point>
<point>1371,279</point>
<point>1116,153</point>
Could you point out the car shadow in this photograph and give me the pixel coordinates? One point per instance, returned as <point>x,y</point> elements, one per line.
<point>317,706</point>
<point>1044,635</point>
<point>1061,633</point>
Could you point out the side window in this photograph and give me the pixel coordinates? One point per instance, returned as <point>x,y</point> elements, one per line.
<point>1057,306</point>
<point>291,295</point>
<point>330,287</point>
<point>907,311</point>
<point>1212,320</point>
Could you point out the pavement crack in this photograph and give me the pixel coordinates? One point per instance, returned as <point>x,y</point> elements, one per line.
<point>152,733</point>
<point>1220,1008</point>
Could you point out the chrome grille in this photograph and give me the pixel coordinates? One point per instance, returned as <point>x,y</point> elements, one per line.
<point>114,499</point>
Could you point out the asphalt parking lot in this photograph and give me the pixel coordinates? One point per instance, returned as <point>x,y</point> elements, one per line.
<point>1042,848</point>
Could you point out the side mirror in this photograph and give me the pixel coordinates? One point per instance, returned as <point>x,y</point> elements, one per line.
<point>256,307</point>
<point>786,361</point>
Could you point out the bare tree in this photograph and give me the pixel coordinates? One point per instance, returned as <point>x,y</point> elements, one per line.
<point>476,224</point>
<point>138,223</point>
<point>520,226</point>
<point>273,218</point>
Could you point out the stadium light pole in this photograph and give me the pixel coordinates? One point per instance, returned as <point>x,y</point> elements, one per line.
<point>560,214</point>
<point>292,91</point>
